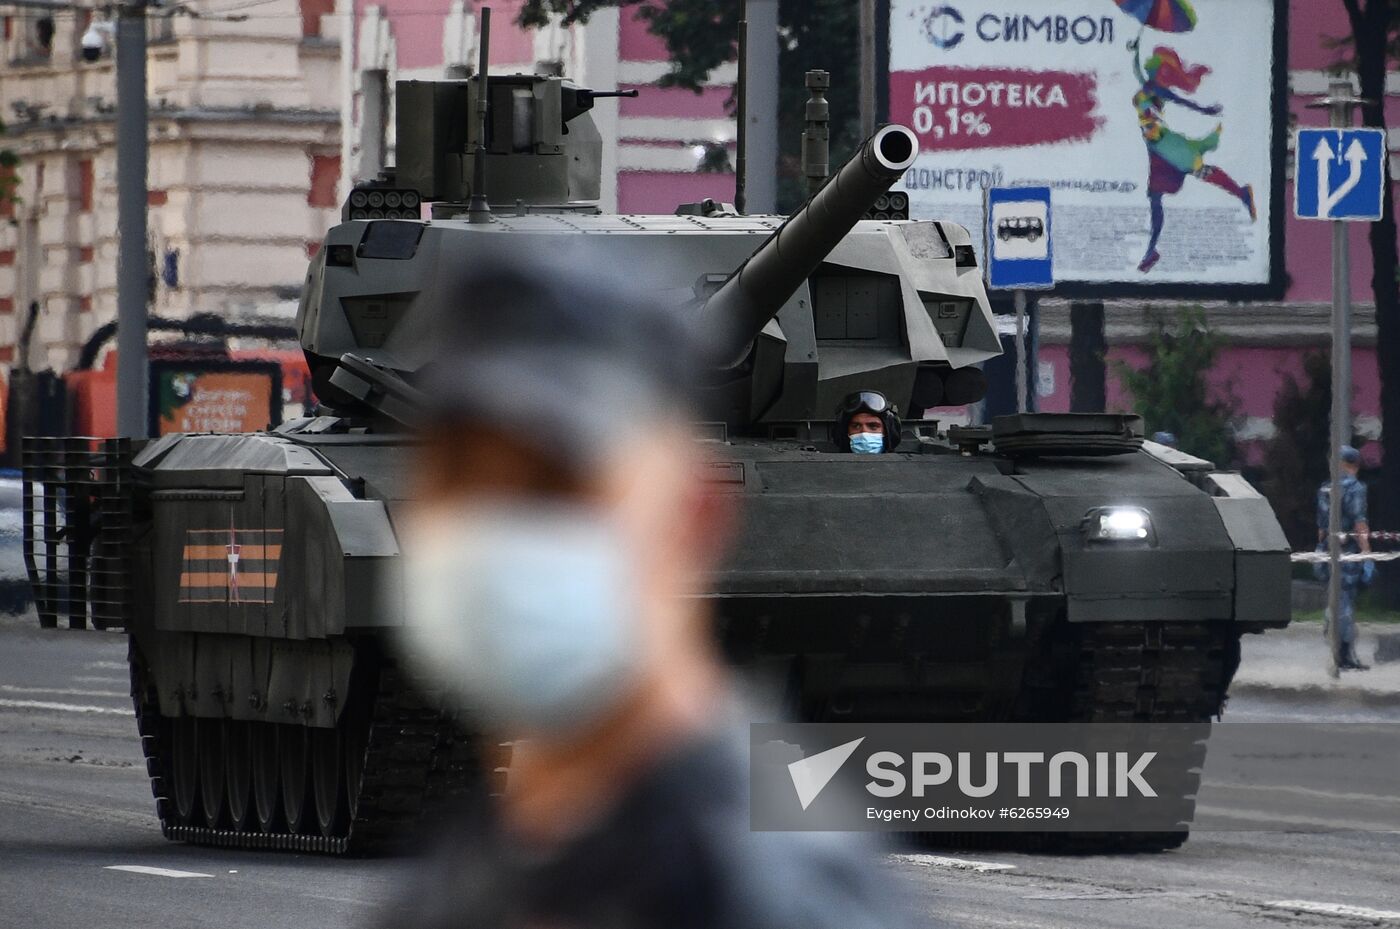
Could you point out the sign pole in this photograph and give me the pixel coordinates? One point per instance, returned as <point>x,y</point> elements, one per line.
<point>1341,420</point>
<point>1340,105</point>
<point>1021,374</point>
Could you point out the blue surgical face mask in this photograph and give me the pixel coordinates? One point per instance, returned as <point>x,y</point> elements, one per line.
<point>527,614</point>
<point>867,443</point>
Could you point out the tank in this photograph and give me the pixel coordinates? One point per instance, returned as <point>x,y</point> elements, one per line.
<point>1042,568</point>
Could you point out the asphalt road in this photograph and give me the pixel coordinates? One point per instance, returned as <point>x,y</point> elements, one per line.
<point>79,844</point>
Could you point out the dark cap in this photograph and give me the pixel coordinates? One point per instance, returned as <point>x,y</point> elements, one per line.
<point>566,355</point>
<point>1350,455</point>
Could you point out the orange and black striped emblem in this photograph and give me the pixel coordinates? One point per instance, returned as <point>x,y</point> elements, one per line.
<point>230,565</point>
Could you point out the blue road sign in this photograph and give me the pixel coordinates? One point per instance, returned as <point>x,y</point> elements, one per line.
<point>1339,174</point>
<point>1018,253</point>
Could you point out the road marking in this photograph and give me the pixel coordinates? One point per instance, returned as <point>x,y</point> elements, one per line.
<point>59,691</point>
<point>143,821</point>
<point>1214,818</point>
<point>61,707</point>
<point>156,872</point>
<point>1311,792</point>
<point>107,665</point>
<point>87,679</point>
<point>1114,895</point>
<point>955,864</point>
<point>1333,909</point>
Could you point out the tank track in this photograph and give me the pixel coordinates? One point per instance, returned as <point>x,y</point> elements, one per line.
<point>1161,672</point>
<point>1157,672</point>
<point>417,760</point>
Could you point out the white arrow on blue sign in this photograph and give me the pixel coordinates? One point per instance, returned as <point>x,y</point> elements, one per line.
<point>1339,174</point>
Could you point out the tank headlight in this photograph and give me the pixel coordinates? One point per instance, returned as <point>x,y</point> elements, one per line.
<point>1119,524</point>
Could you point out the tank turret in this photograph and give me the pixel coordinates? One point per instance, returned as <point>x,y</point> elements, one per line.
<point>804,309</point>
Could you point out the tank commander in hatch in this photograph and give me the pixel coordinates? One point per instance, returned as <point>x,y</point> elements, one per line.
<point>866,424</point>
<point>559,533</point>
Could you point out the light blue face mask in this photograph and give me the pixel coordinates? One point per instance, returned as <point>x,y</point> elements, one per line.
<point>526,613</point>
<point>867,443</point>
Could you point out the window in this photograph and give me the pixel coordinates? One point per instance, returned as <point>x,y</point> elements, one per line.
<point>325,175</point>
<point>85,185</point>
<point>31,37</point>
<point>311,13</point>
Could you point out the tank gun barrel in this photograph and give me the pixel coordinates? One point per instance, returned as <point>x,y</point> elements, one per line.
<point>754,293</point>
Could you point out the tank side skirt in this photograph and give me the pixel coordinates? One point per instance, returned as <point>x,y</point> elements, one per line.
<point>416,759</point>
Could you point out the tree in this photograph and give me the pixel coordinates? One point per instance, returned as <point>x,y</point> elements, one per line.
<point>1375,39</point>
<point>701,35</point>
<point>1297,454</point>
<point>1171,393</point>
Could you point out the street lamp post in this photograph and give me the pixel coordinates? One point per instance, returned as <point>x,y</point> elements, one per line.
<point>133,271</point>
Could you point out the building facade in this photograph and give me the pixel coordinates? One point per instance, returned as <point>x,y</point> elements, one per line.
<point>253,120</point>
<point>244,162</point>
<point>1266,342</point>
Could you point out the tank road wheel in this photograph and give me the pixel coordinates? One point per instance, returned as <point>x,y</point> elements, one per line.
<point>296,794</point>
<point>266,776</point>
<point>328,781</point>
<point>184,769</point>
<point>212,776</point>
<point>238,758</point>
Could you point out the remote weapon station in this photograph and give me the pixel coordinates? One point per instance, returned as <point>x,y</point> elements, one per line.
<point>1041,568</point>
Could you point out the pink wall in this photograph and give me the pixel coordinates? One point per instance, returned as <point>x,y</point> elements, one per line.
<point>675,102</point>
<point>659,191</point>
<point>638,44</point>
<point>417,28</point>
<point>1246,378</point>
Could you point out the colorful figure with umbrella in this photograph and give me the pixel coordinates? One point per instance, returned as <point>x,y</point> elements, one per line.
<point>1165,78</point>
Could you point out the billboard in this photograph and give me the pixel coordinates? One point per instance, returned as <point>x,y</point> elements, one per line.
<point>213,395</point>
<point>1155,123</point>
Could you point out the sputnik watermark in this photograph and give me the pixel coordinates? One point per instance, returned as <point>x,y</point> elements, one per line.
<point>940,776</point>
<point>1114,774</point>
<point>1099,777</point>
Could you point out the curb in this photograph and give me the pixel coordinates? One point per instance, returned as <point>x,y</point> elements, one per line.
<point>1337,695</point>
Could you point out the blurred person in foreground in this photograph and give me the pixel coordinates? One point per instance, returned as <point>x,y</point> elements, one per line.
<point>1355,574</point>
<point>553,559</point>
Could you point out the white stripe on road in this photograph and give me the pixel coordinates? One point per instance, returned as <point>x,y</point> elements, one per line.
<point>1212,818</point>
<point>61,707</point>
<point>85,679</point>
<point>60,691</point>
<point>107,665</point>
<point>1310,792</point>
<point>157,872</point>
<point>1333,909</point>
<point>956,864</point>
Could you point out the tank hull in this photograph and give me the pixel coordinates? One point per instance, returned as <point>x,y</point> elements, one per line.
<point>931,586</point>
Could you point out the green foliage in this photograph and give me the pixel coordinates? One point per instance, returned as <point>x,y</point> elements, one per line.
<point>1171,393</point>
<point>701,35</point>
<point>1296,457</point>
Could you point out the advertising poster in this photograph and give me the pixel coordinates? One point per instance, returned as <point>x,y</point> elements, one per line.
<point>1151,121</point>
<point>215,397</point>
